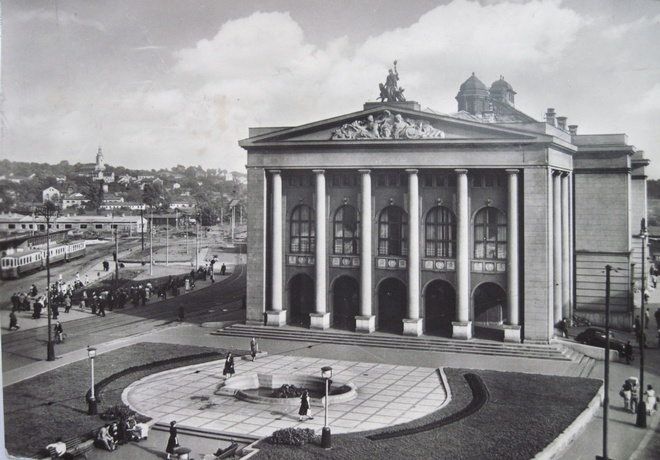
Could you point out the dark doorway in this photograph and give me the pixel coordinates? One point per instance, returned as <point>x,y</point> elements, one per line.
<point>345,303</point>
<point>302,301</point>
<point>392,305</point>
<point>440,308</point>
<point>489,304</point>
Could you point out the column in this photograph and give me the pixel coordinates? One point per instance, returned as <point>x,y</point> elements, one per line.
<point>556,248</point>
<point>512,328</point>
<point>412,325</point>
<point>462,328</point>
<point>565,247</point>
<point>366,322</point>
<point>321,318</point>
<point>276,316</point>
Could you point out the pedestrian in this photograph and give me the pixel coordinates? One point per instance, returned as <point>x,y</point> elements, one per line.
<point>67,303</point>
<point>223,269</point>
<point>628,351</point>
<point>637,327</point>
<point>651,400</point>
<point>625,393</point>
<point>173,441</point>
<point>563,327</point>
<point>634,396</point>
<point>13,321</point>
<point>254,348</point>
<point>229,366</point>
<point>101,307</point>
<point>59,332</point>
<point>647,318</point>
<point>86,280</point>
<point>305,410</point>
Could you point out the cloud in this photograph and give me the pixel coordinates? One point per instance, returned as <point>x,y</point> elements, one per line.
<point>192,104</point>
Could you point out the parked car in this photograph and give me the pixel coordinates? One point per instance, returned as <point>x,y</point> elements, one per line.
<point>595,337</point>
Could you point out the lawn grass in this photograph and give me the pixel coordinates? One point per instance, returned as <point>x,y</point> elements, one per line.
<point>523,413</point>
<point>43,408</point>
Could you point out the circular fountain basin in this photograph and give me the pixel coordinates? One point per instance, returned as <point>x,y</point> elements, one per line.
<point>255,388</point>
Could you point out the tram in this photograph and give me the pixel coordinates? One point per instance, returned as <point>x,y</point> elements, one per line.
<point>19,264</point>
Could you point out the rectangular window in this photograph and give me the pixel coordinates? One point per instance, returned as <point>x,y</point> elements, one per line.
<point>98,226</point>
<point>440,180</point>
<point>67,226</point>
<point>83,226</point>
<point>428,180</point>
<point>12,226</point>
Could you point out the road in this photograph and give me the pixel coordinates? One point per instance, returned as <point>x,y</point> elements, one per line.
<point>222,301</point>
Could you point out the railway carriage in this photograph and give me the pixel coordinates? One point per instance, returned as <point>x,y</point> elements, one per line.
<point>16,265</point>
<point>76,250</point>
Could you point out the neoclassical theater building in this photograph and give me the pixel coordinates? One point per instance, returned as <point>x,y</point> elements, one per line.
<point>485,222</point>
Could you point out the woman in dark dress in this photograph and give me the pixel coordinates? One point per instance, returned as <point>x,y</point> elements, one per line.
<point>173,441</point>
<point>229,366</point>
<point>304,407</point>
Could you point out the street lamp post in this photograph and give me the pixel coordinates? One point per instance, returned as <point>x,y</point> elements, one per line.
<point>641,407</point>
<point>326,441</point>
<point>91,408</point>
<point>48,210</point>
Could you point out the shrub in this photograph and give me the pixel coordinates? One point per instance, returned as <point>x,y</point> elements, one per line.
<point>120,412</point>
<point>293,436</point>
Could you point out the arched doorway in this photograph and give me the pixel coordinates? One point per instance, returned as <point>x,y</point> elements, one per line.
<point>392,305</point>
<point>302,301</point>
<point>345,302</point>
<point>489,304</point>
<point>439,308</point>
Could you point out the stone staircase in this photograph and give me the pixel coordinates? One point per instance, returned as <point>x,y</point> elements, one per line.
<point>424,343</point>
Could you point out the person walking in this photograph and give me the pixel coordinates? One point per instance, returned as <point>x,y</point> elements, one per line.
<point>634,396</point>
<point>647,318</point>
<point>651,400</point>
<point>13,321</point>
<point>254,348</point>
<point>304,410</point>
<point>229,366</point>
<point>625,393</point>
<point>628,351</point>
<point>173,441</point>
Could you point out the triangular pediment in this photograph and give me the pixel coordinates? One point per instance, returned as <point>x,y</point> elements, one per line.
<point>389,123</point>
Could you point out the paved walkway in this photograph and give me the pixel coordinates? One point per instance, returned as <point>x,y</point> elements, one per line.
<point>386,395</point>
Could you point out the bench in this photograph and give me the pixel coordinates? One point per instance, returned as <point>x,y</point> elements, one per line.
<point>229,452</point>
<point>76,447</point>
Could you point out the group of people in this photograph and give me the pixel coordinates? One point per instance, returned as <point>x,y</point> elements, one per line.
<point>630,392</point>
<point>112,435</point>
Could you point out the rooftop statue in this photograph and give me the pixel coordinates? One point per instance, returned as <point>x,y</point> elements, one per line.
<point>390,91</point>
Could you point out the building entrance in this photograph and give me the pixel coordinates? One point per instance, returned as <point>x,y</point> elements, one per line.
<point>392,305</point>
<point>489,304</point>
<point>440,308</point>
<point>301,300</point>
<point>345,303</point>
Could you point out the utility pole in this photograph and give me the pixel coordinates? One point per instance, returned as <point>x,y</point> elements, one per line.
<point>151,244</point>
<point>641,407</point>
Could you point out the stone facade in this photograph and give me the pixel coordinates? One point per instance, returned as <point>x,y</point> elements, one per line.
<point>475,224</point>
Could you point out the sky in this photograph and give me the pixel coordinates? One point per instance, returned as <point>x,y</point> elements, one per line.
<point>158,83</point>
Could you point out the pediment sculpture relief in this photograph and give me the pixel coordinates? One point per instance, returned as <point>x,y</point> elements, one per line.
<point>387,126</point>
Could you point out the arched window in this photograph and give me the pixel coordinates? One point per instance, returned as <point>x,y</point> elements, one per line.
<point>490,234</point>
<point>302,239</point>
<point>346,231</point>
<point>393,232</point>
<point>440,233</point>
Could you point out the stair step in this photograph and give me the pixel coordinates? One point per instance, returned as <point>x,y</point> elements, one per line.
<point>424,343</point>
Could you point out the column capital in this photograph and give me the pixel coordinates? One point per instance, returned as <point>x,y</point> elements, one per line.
<point>274,171</point>
<point>412,171</point>
<point>512,171</point>
<point>318,171</point>
<point>461,171</point>
<point>364,171</point>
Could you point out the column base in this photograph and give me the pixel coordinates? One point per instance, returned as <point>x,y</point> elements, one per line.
<point>512,333</point>
<point>461,330</point>
<point>365,324</point>
<point>413,327</point>
<point>276,318</point>
<point>319,321</point>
